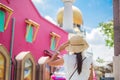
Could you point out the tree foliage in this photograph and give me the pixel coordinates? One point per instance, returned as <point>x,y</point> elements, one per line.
<point>100,60</point>
<point>107,29</point>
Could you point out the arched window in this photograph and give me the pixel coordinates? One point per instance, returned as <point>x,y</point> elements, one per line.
<point>28,70</point>
<point>4,63</point>
<point>2,66</point>
<point>25,66</point>
<point>44,69</point>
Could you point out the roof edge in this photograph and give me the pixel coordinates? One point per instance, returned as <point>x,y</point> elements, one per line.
<point>46,19</point>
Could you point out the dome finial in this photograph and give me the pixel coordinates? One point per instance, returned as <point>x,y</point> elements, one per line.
<point>77,16</point>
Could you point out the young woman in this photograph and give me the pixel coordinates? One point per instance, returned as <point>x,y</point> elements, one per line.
<point>76,64</point>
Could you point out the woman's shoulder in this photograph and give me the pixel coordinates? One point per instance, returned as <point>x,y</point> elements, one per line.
<point>68,56</point>
<point>88,55</point>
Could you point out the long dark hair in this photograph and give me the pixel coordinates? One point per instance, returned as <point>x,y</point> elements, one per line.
<point>79,62</point>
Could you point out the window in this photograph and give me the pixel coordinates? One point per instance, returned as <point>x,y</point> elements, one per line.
<point>4,63</point>
<point>28,70</point>
<point>2,67</point>
<point>43,69</point>
<point>5,14</point>
<point>54,40</point>
<point>31,30</point>
<point>29,36</point>
<point>2,19</point>
<point>25,67</point>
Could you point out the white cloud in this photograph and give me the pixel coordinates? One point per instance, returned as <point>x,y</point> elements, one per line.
<point>95,37</point>
<point>87,28</point>
<point>50,19</point>
<point>102,52</point>
<point>38,1</point>
<point>97,45</point>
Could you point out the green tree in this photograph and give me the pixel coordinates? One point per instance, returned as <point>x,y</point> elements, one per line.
<point>100,60</point>
<point>107,29</point>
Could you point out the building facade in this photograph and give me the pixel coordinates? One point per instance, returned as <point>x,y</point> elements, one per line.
<point>24,35</point>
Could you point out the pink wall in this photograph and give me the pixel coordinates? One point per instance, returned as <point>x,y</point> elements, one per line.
<point>25,9</point>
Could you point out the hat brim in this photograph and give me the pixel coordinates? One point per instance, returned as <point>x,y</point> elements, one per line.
<point>76,49</point>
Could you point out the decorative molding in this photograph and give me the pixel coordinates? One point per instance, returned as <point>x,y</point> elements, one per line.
<point>5,53</point>
<point>33,24</point>
<point>21,58</point>
<point>10,11</point>
<point>55,36</point>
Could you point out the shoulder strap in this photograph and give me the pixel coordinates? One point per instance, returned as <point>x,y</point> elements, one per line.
<point>75,70</point>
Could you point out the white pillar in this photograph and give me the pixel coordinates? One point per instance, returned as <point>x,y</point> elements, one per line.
<point>68,16</point>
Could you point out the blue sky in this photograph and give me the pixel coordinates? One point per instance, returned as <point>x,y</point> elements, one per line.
<point>93,12</point>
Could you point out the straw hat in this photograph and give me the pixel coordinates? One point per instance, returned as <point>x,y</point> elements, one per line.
<point>77,44</point>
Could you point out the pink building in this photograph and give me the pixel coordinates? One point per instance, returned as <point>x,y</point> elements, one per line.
<point>23,29</point>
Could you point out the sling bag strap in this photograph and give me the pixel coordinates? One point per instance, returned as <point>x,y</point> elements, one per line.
<point>75,70</point>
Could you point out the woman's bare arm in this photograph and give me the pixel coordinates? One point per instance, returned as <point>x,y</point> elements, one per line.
<point>53,61</point>
<point>58,62</point>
